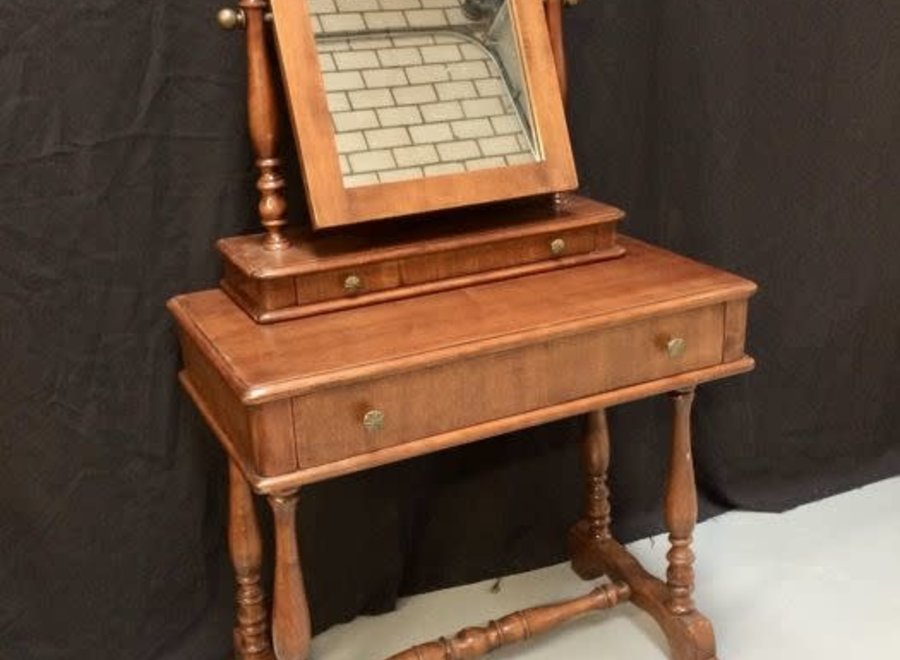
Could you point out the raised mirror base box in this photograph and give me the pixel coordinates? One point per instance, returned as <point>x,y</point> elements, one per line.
<point>328,271</point>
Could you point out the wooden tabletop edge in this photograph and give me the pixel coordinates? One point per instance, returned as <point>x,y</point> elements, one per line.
<point>487,345</point>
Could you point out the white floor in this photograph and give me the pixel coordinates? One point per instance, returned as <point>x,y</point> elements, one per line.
<point>820,582</point>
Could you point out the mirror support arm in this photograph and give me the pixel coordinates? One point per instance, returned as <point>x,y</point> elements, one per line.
<point>553,11</point>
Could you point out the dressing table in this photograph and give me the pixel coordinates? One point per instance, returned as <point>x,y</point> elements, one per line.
<point>446,289</point>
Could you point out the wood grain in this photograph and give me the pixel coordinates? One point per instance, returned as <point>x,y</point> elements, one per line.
<point>681,507</point>
<point>289,403</point>
<point>553,13</point>
<point>264,484</point>
<point>544,374</point>
<point>262,115</point>
<point>599,331</point>
<point>290,617</point>
<point>265,363</point>
<point>405,260</point>
<point>516,627</point>
<point>251,636</point>
<point>735,329</point>
<point>595,452</point>
<point>312,252</point>
<point>690,636</point>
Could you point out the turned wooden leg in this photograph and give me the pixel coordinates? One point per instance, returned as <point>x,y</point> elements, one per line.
<point>596,464</point>
<point>689,633</point>
<point>251,638</point>
<point>290,618</point>
<point>681,507</point>
<point>590,534</point>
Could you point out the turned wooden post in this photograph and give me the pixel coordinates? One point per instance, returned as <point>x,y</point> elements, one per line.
<point>681,507</point>
<point>595,450</point>
<point>251,636</point>
<point>516,627</point>
<point>262,114</point>
<point>290,617</point>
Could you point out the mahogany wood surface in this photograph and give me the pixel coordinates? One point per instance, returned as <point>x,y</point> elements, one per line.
<point>290,615</point>
<point>251,640</point>
<point>266,363</point>
<point>331,204</point>
<point>545,374</point>
<point>459,329</point>
<point>406,259</point>
<point>553,16</point>
<point>262,114</point>
<point>681,507</point>
<point>569,353</point>
<point>310,399</point>
<point>489,429</point>
<point>516,627</point>
<point>595,451</point>
<point>690,634</point>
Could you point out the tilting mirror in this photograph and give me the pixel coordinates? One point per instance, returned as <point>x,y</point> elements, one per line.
<point>423,88</point>
<point>406,106</point>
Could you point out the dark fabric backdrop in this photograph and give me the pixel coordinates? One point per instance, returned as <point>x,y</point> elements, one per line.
<point>759,135</point>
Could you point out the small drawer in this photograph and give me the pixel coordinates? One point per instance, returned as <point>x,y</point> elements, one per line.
<point>336,423</point>
<point>346,283</point>
<point>507,254</point>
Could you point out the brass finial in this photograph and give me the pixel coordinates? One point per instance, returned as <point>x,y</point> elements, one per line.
<point>231,19</point>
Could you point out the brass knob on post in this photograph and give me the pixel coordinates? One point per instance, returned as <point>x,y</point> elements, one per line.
<point>231,19</point>
<point>557,247</point>
<point>373,421</point>
<point>675,347</point>
<point>353,284</point>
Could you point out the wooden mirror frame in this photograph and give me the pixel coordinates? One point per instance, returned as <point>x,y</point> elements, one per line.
<point>332,204</point>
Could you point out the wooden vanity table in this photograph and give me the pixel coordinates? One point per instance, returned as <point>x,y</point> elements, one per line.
<point>301,401</point>
<point>327,353</point>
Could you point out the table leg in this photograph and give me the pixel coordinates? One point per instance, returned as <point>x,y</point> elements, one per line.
<point>681,507</point>
<point>595,452</point>
<point>669,602</point>
<point>590,535</point>
<point>251,638</point>
<point>290,619</point>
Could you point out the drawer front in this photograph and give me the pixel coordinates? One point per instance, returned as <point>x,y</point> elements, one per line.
<point>337,423</point>
<point>481,258</point>
<point>348,282</point>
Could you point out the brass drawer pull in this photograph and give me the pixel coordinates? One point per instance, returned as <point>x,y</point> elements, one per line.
<point>353,284</point>
<point>373,421</point>
<point>675,347</point>
<point>557,246</point>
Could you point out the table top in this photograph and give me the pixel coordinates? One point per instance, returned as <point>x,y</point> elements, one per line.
<point>264,362</point>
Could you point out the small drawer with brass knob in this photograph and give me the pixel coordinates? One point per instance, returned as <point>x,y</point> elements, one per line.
<point>334,284</point>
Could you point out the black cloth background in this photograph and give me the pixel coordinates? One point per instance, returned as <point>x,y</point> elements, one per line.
<point>758,135</point>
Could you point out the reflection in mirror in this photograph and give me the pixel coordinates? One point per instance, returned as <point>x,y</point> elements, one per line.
<point>420,88</point>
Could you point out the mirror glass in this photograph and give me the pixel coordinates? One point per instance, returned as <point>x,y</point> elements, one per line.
<point>420,88</point>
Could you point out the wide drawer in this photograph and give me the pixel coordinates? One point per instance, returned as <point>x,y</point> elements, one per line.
<point>336,423</point>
